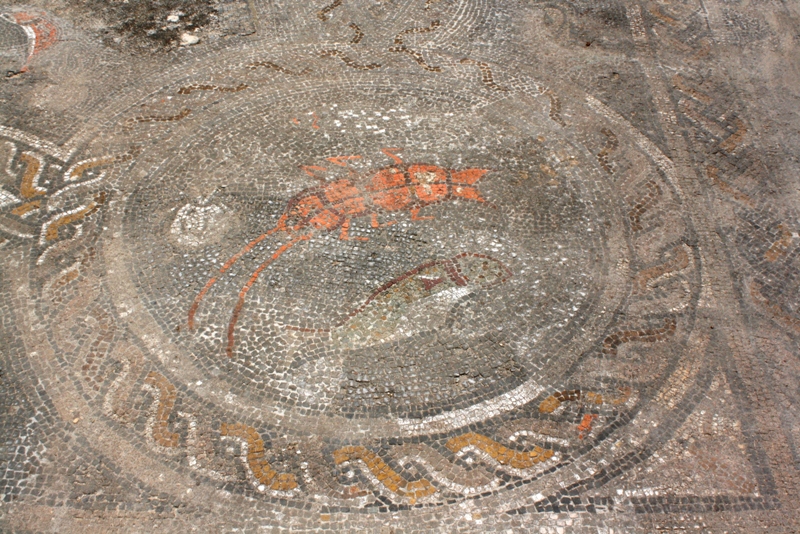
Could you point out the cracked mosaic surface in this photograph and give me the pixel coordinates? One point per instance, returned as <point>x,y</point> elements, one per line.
<point>405,265</point>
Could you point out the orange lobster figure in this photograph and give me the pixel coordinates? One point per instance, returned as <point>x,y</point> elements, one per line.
<point>332,205</point>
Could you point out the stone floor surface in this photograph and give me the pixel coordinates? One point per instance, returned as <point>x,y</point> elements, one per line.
<point>399,266</point>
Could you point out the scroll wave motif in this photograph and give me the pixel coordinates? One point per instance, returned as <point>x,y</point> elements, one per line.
<point>386,475</point>
<point>256,457</point>
<point>503,455</point>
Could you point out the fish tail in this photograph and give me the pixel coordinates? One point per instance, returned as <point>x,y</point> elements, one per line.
<point>253,278</point>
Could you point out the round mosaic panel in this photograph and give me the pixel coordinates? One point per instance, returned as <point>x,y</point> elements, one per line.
<point>391,276</point>
<point>372,292</point>
<point>427,265</point>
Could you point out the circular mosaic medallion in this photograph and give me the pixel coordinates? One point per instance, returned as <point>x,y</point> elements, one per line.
<point>413,267</point>
<point>402,289</point>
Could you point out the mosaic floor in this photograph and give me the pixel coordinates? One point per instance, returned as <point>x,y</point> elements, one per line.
<point>399,266</point>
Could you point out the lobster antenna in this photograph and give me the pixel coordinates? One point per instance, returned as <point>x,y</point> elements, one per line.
<point>391,153</point>
<point>253,278</point>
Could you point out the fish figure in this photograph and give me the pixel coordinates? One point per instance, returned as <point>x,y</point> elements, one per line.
<point>415,301</point>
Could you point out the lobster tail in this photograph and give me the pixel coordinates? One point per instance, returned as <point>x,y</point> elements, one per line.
<point>462,184</point>
<point>467,176</point>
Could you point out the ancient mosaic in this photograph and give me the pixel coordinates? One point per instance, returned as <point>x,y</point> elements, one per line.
<point>402,265</point>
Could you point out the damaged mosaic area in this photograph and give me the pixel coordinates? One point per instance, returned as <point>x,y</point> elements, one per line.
<point>443,265</point>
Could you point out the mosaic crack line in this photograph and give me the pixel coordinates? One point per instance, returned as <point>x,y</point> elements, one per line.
<point>416,56</point>
<point>387,476</point>
<point>398,39</point>
<point>330,207</point>
<point>357,35</point>
<point>158,118</point>
<point>487,77</point>
<point>325,13</point>
<point>189,89</point>
<point>348,61</point>
<point>274,66</point>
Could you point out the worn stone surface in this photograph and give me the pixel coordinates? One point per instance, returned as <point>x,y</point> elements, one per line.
<point>406,265</point>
